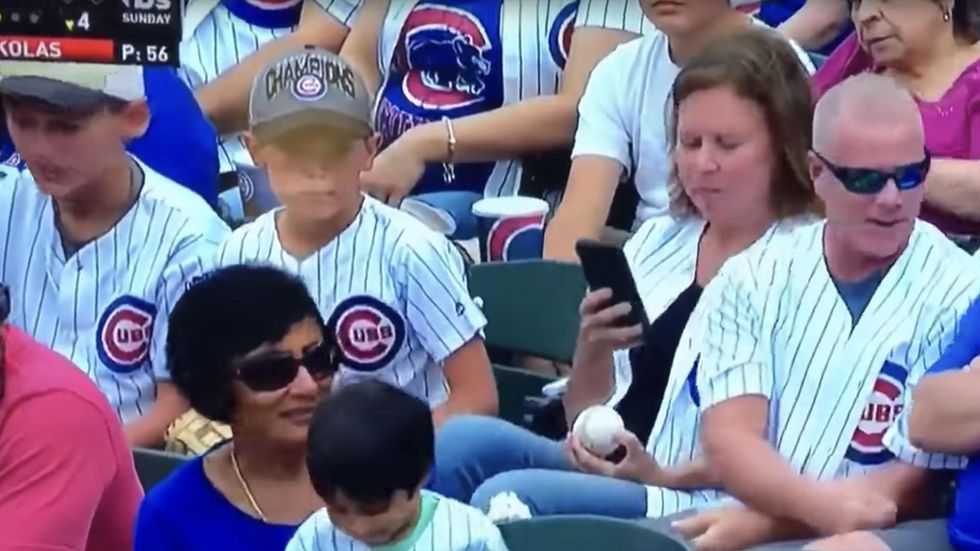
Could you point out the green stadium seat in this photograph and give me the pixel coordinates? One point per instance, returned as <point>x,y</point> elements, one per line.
<point>152,466</point>
<point>531,306</point>
<point>513,387</point>
<point>584,533</point>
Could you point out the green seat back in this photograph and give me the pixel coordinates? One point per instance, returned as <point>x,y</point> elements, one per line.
<point>513,386</point>
<point>152,466</point>
<point>531,306</point>
<point>584,533</point>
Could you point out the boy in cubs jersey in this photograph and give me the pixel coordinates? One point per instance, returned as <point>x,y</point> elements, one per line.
<point>96,245</point>
<point>392,290</point>
<point>370,450</point>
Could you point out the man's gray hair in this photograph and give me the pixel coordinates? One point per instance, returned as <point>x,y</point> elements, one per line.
<point>866,99</point>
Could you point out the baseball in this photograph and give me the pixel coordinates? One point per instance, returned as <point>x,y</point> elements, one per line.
<point>596,428</point>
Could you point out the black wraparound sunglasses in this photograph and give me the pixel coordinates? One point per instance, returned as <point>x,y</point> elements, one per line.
<point>867,181</point>
<point>268,373</point>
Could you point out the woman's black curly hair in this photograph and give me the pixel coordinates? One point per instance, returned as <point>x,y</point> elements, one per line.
<point>223,316</point>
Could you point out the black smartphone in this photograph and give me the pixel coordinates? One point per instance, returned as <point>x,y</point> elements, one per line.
<point>605,267</point>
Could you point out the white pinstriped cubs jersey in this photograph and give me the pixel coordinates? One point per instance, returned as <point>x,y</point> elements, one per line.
<point>778,327</point>
<point>219,34</point>
<point>393,290</point>
<point>452,527</point>
<point>663,257</point>
<point>105,307</point>
<point>441,58</point>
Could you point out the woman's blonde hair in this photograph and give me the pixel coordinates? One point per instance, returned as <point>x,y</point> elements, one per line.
<point>762,67</point>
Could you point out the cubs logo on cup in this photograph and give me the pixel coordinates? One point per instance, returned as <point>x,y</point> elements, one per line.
<point>309,88</point>
<point>125,333</point>
<point>516,238</point>
<point>369,332</point>
<point>880,412</point>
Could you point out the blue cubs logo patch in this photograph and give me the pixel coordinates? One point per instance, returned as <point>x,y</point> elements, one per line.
<point>560,35</point>
<point>443,53</point>
<point>124,334</point>
<point>369,332</point>
<point>886,402</point>
<point>245,186</point>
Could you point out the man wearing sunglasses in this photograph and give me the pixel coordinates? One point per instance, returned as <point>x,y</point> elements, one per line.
<point>812,344</point>
<point>66,474</point>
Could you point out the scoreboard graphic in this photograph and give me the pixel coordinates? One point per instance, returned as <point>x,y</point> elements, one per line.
<point>131,32</point>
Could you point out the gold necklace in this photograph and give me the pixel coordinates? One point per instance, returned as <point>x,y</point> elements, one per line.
<point>244,485</point>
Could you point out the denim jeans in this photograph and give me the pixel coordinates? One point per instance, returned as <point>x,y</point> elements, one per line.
<point>480,457</point>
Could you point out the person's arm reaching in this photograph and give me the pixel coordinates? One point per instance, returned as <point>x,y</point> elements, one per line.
<point>225,99</point>
<point>599,159</point>
<point>360,48</point>
<point>816,23</point>
<point>533,125</point>
<point>448,324</point>
<point>56,462</point>
<point>736,382</point>
<point>954,186</point>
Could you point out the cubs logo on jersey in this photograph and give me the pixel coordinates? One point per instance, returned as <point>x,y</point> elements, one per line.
<point>369,332</point>
<point>560,36</point>
<point>515,238</point>
<point>124,334</point>
<point>443,54</point>
<point>884,405</point>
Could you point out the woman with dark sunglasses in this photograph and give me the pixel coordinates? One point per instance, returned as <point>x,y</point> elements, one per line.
<point>246,347</point>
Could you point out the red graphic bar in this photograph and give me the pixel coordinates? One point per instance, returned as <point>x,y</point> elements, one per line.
<point>91,50</point>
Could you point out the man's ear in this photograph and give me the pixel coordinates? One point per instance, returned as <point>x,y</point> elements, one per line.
<point>136,119</point>
<point>372,143</point>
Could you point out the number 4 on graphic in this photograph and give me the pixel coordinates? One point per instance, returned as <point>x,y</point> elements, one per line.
<point>83,21</point>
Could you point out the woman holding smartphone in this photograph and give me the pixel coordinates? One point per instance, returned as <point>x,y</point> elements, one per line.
<point>740,137</point>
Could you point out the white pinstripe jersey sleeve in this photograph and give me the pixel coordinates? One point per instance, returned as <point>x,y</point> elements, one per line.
<point>735,358</point>
<point>342,10</point>
<point>191,260</point>
<point>626,15</point>
<point>440,309</point>
<point>896,438</point>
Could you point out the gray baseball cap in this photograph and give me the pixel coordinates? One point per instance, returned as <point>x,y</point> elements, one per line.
<point>309,86</point>
<point>71,86</point>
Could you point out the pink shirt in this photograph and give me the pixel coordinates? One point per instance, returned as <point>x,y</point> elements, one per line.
<point>67,481</point>
<point>952,124</point>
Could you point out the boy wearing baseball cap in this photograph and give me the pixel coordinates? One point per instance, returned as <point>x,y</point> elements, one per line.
<point>97,246</point>
<point>392,290</point>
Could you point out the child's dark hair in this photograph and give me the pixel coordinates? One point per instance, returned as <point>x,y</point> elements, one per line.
<point>369,440</point>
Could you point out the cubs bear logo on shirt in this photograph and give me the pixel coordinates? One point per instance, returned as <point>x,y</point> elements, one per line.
<point>124,334</point>
<point>369,332</point>
<point>884,405</point>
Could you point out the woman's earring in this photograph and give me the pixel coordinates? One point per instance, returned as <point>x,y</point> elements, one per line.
<point>947,15</point>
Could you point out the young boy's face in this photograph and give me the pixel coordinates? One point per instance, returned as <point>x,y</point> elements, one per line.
<point>65,151</point>
<point>375,524</point>
<point>315,171</point>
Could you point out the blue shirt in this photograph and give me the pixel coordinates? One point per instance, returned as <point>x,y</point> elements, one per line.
<point>180,142</point>
<point>775,12</point>
<point>186,512</point>
<point>964,528</point>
